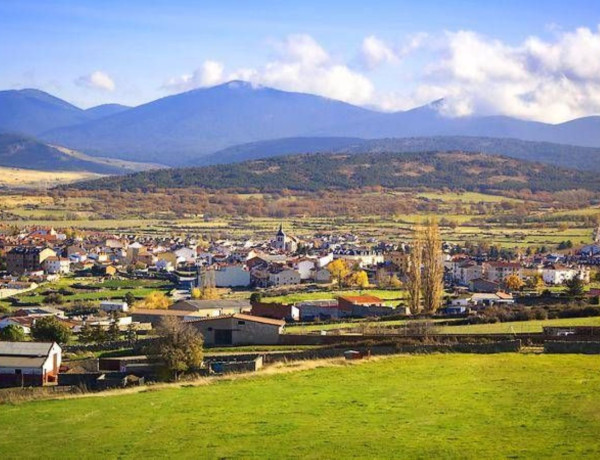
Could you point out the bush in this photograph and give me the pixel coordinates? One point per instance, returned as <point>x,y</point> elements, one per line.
<point>50,329</point>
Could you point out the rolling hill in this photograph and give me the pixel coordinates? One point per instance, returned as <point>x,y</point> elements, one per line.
<point>312,172</point>
<point>105,110</point>
<point>584,158</point>
<point>18,151</point>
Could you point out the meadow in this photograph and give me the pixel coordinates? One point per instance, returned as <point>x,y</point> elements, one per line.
<point>90,289</point>
<point>32,179</point>
<point>511,327</point>
<point>409,406</point>
<point>391,297</point>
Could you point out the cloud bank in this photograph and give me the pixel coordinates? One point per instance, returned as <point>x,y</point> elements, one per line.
<point>546,80</point>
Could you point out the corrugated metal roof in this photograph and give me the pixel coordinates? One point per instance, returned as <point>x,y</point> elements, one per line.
<point>241,316</point>
<point>25,348</point>
<point>212,304</point>
<point>21,361</point>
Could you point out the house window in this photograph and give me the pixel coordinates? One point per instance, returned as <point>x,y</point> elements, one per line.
<point>210,328</point>
<point>241,322</point>
<point>18,371</point>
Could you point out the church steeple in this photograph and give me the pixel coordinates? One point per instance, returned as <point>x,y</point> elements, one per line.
<point>280,239</point>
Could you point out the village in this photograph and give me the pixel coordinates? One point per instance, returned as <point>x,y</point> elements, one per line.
<point>105,295</point>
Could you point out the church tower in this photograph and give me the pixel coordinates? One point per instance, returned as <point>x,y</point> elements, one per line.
<point>280,239</point>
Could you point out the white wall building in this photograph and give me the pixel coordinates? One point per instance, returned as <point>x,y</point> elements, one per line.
<point>57,265</point>
<point>232,276</point>
<point>110,307</point>
<point>284,277</point>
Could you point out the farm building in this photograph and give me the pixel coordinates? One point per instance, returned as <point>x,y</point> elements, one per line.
<point>109,307</point>
<point>29,363</point>
<point>212,307</point>
<point>239,329</point>
<point>154,317</point>
<point>276,311</point>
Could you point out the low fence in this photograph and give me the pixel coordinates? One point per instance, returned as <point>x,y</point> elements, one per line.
<point>564,346</point>
<point>137,345</point>
<point>505,346</point>
<point>235,363</point>
<point>17,395</point>
<point>315,339</point>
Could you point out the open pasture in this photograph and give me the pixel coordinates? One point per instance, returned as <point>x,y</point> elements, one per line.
<point>411,406</point>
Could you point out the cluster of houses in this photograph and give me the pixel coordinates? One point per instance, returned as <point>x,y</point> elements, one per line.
<point>44,254</point>
<point>487,276</point>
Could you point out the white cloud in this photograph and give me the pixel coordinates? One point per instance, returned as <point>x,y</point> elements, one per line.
<point>301,64</point>
<point>210,74</point>
<point>375,52</point>
<point>539,80</point>
<point>96,80</point>
<point>547,80</point>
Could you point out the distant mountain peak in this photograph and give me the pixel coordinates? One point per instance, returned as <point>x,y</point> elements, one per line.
<point>438,104</point>
<point>241,84</point>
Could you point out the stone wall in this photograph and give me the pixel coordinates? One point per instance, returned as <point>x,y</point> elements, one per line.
<point>560,346</point>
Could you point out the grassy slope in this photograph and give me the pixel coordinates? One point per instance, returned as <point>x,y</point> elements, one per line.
<point>28,178</point>
<point>383,294</point>
<point>519,326</point>
<point>496,328</point>
<point>450,406</point>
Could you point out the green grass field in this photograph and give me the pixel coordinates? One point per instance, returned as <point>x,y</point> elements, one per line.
<point>496,328</point>
<point>110,289</point>
<point>420,406</point>
<point>518,326</point>
<point>383,294</point>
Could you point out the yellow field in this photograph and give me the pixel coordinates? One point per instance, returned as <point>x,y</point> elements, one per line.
<point>15,177</point>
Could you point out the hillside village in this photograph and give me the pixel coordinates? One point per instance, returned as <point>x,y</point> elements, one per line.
<point>233,292</point>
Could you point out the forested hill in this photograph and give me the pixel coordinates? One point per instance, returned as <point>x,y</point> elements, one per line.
<point>568,156</point>
<point>310,172</point>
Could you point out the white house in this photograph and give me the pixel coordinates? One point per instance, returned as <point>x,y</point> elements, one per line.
<point>323,261</point>
<point>360,257</point>
<point>23,323</point>
<point>558,274</point>
<point>110,307</point>
<point>57,265</point>
<point>232,276</point>
<point>499,271</point>
<point>305,268</point>
<point>284,277</point>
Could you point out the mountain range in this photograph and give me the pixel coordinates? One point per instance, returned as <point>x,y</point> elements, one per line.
<point>187,128</point>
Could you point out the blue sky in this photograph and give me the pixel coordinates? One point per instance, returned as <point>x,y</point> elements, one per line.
<point>386,54</point>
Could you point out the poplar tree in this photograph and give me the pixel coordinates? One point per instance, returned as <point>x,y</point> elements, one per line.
<point>413,271</point>
<point>433,269</point>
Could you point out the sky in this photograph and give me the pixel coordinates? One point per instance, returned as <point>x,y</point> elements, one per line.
<point>537,60</point>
